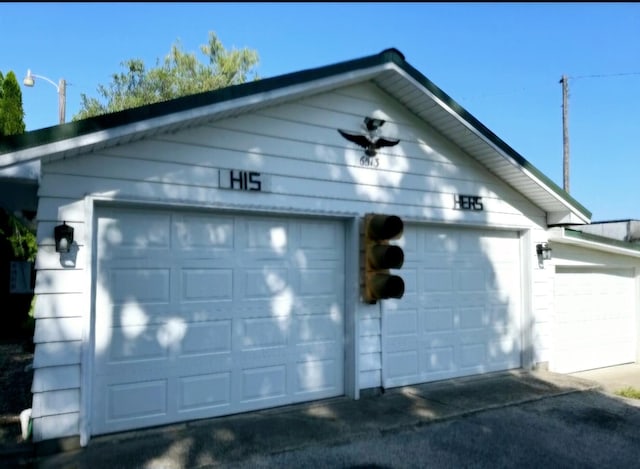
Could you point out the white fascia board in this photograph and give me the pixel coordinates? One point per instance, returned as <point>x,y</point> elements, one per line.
<point>84,143</point>
<point>565,217</point>
<point>488,142</point>
<point>558,235</point>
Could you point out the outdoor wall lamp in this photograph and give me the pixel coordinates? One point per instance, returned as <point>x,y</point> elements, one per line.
<point>63,235</point>
<point>544,252</point>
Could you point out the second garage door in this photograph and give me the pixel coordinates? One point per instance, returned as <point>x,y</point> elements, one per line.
<point>460,314</point>
<point>199,315</point>
<point>595,318</point>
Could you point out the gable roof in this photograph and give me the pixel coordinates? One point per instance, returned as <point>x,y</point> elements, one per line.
<point>388,70</point>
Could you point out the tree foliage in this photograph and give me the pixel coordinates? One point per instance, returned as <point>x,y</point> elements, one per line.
<point>180,74</point>
<point>17,238</point>
<point>17,243</point>
<point>1,115</point>
<point>11,110</point>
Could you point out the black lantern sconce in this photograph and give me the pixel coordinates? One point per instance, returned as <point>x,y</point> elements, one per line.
<point>64,237</point>
<point>544,253</point>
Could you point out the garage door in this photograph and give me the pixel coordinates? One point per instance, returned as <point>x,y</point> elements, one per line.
<point>200,315</point>
<point>460,314</point>
<point>595,318</point>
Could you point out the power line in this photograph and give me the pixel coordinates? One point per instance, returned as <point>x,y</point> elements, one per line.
<point>604,75</point>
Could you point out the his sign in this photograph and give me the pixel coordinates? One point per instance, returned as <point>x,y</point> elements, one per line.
<point>242,180</point>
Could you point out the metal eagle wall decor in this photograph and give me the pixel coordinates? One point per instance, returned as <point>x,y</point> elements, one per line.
<point>368,141</point>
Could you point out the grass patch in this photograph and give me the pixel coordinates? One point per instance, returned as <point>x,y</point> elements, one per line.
<point>630,392</point>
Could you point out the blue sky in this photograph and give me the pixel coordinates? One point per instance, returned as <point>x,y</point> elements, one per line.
<point>500,61</point>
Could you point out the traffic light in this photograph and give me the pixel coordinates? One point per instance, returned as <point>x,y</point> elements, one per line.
<point>380,256</point>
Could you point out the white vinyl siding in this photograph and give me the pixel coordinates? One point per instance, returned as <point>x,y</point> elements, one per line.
<point>309,163</point>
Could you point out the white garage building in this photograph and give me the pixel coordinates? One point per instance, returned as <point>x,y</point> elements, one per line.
<point>215,266</point>
<point>595,301</point>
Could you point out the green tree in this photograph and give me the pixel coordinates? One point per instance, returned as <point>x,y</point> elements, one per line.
<point>17,238</point>
<point>17,243</point>
<point>1,115</point>
<point>11,111</point>
<point>180,74</point>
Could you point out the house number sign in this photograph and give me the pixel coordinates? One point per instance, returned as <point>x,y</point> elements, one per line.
<point>467,202</point>
<point>242,180</point>
<point>369,162</point>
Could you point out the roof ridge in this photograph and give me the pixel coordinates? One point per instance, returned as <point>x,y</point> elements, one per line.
<point>394,52</point>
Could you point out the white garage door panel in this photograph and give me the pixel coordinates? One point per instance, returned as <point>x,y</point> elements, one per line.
<point>595,318</point>
<point>200,315</point>
<point>460,314</point>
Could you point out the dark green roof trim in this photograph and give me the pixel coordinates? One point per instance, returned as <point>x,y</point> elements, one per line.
<point>626,220</point>
<point>129,116</point>
<point>575,234</point>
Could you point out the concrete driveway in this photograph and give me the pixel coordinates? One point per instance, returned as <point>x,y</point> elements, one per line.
<point>613,378</point>
<point>472,418</point>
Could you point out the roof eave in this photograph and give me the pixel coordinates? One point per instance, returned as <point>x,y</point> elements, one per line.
<point>82,143</point>
<point>599,243</point>
<point>111,129</point>
<point>574,210</point>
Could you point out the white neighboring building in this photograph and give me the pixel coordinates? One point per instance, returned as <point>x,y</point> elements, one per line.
<point>215,266</point>
<point>622,230</point>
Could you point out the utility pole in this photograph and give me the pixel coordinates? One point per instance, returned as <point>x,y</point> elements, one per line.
<point>565,131</point>
<point>62,100</point>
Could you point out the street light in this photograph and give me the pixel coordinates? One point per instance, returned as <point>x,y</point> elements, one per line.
<point>61,87</point>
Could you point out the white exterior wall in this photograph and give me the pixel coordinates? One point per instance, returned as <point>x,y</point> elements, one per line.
<point>310,168</point>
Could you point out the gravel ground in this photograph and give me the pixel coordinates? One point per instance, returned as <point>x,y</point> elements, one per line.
<point>15,389</point>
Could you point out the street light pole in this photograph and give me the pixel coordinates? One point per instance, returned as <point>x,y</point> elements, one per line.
<point>61,88</point>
